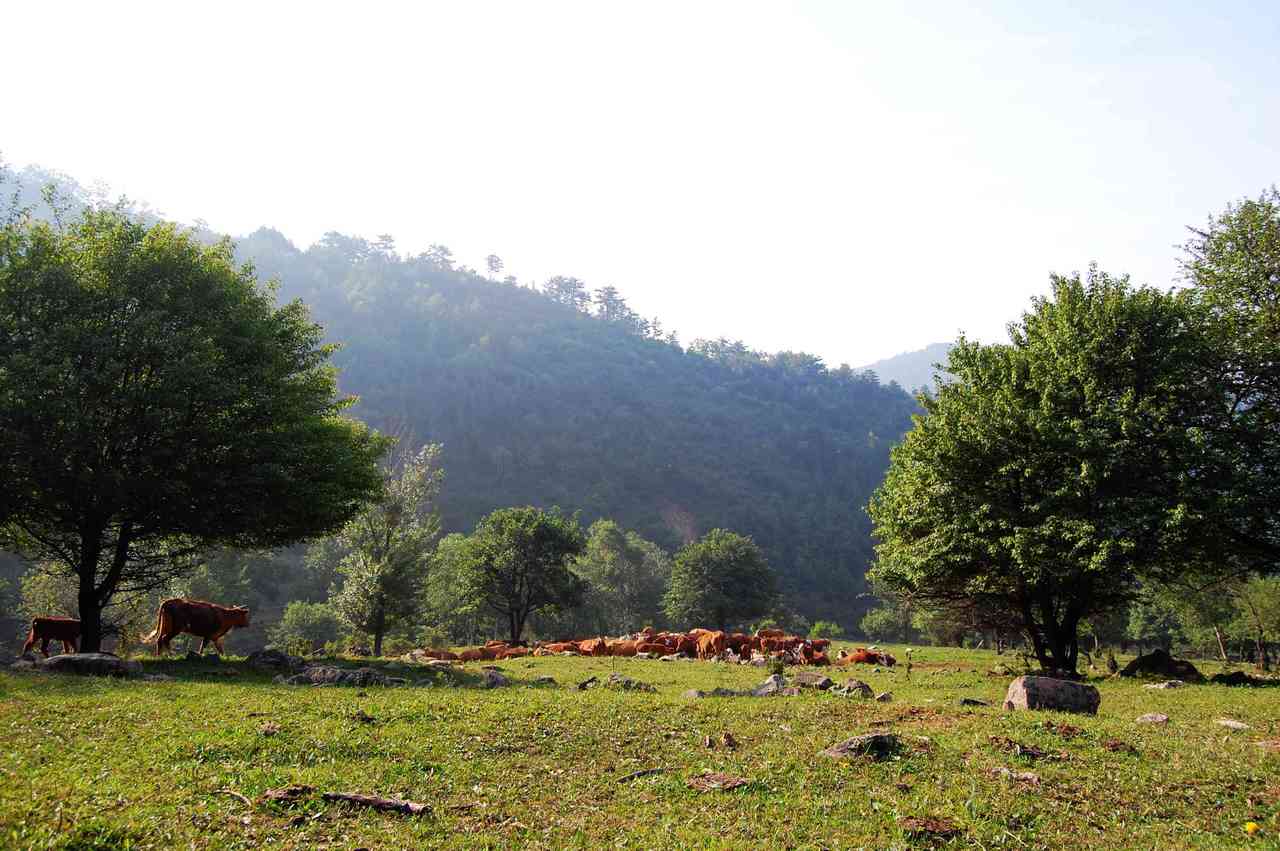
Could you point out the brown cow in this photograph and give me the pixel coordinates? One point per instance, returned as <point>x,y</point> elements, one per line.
<point>44,630</point>
<point>473,655</point>
<point>622,648</point>
<point>593,647</point>
<point>513,652</point>
<point>653,647</point>
<point>711,644</point>
<point>207,621</point>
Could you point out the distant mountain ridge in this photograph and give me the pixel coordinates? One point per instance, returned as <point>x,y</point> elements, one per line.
<point>912,370</point>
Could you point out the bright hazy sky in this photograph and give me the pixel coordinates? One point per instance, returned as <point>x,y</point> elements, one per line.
<point>852,179</point>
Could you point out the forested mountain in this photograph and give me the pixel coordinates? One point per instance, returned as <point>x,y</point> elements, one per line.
<point>562,396</point>
<point>911,370</point>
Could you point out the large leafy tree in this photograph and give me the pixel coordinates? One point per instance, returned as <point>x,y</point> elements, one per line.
<point>720,579</point>
<point>1233,265</point>
<point>155,402</point>
<point>1059,470</point>
<point>386,549</point>
<point>517,562</point>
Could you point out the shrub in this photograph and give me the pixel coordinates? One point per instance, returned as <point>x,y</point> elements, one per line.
<point>305,627</point>
<point>825,629</point>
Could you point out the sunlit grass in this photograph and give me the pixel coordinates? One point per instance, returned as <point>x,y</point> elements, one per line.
<point>92,763</point>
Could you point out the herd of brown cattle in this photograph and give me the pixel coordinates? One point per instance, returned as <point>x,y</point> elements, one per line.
<point>705,644</point>
<point>210,622</point>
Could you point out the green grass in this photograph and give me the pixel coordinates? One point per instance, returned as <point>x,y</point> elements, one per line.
<point>91,763</point>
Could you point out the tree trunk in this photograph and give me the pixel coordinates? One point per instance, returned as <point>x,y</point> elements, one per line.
<point>379,627</point>
<point>89,603</point>
<point>1222,647</point>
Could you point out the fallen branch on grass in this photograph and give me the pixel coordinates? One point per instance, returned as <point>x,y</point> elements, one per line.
<point>636,775</point>
<point>397,805</point>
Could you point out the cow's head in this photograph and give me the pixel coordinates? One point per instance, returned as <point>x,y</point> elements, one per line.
<point>239,616</point>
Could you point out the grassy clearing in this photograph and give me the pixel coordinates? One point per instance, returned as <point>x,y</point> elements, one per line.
<point>89,763</point>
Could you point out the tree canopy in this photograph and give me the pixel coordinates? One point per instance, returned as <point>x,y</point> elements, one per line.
<point>722,578</point>
<point>155,402</point>
<point>517,560</point>
<point>383,553</point>
<point>1058,470</point>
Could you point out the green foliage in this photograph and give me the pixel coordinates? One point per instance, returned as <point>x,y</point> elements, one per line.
<point>306,627</point>
<point>627,576</point>
<point>887,622</point>
<point>385,550</point>
<point>720,579</point>
<point>1233,265</point>
<point>825,629</point>
<point>1153,623</point>
<point>517,563</point>
<point>1051,474</point>
<point>154,402</point>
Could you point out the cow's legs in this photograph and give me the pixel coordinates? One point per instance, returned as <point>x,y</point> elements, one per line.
<point>44,646</point>
<point>31,642</point>
<point>68,646</point>
<point>203,642</point>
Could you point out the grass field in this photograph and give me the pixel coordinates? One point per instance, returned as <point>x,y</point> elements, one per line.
<point>95,763</point>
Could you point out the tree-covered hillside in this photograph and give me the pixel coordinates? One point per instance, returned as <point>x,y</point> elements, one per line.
<point>560,396</point>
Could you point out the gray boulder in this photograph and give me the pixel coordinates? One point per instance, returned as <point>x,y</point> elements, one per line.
<point>1049,693</point>
<point>273,660</point>
<point>327,675</point>
<point>618,681</point>
<point>812,679</point>
<point>772,685</point>
<point>494,679</point>
<point>93,664</point>
<point>1153,718</point>
<point>874,745</point>
<point>1167,684</point>
<point>854,688</point>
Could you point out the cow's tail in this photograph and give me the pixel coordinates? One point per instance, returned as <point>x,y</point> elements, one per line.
<point>162,621</point>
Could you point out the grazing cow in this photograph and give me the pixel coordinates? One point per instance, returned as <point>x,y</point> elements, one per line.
<point>820,643</point>
<point>44,630</point>
<point>771,633</point>
<point>206,621</point>
<point>687,645</point>
<point>711,644</point>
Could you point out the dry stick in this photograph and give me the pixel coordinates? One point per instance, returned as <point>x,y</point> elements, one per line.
<point>233,793</point>
<point>644,772</point>
<point>390,804</point>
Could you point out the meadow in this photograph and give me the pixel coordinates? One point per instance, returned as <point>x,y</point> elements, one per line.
<point>184,762</point>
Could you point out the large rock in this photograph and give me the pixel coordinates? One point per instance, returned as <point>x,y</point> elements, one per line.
<point>494,679</point>
<point>1158,663</point>
<point>273,660</point>
<point>327,675</point>
<point>1048,693</point>
<point>854,688</point>
<point>812,679</point>
<point>874,745</point>
<point>618,681</point>
<point>95,664</point>
<point>774,684</point>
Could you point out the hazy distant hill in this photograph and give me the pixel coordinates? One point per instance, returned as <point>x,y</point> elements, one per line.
<point>911,370</point>
<point>558,395</point>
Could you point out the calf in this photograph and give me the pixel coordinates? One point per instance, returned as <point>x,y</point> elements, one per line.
<point>44,630</point>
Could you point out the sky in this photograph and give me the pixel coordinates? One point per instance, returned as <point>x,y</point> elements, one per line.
<point>845,178</point>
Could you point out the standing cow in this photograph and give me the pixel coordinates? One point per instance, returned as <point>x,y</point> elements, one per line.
<point>206,621</point>
<point>44,630</point>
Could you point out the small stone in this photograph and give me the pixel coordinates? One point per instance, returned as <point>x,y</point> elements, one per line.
<point>618,681</point>
<point>854,688</point>
<point>973,701</point>
<point>875,745</point>
<point>545,681</point>
<point>273,660</point>
<point>1231,724</point>
<point>693,694</point>
<point>1029,777</point>
<point>1152,718</point>
<point>587,683</point>
<point>884,697</point>
<point>1166,684</point>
